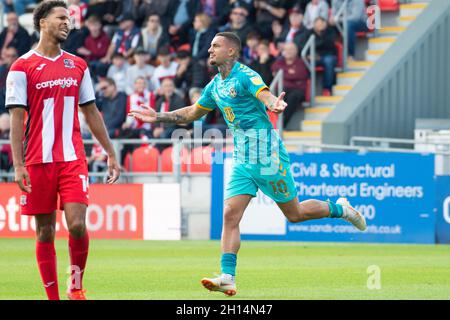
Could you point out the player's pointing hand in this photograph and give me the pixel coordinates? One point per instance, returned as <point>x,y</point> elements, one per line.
<point>279,104</point>
<point>145,114</point>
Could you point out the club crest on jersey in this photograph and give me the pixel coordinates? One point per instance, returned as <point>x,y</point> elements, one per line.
<point>68,63</point>
<point>229,114</point>
<point>233,92</point>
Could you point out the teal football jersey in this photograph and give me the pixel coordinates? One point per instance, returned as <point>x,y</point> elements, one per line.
<point>245,115</point>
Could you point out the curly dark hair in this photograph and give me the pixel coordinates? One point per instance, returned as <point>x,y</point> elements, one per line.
<point>44,9</point>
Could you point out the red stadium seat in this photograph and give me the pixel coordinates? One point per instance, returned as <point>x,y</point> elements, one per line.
<point>340,53</point>
<point>200,159</point>
<point>127,162</point>
<point>167,162</point>
<point>388,5</point>
<point>308,91</point>
<point>145,159</point>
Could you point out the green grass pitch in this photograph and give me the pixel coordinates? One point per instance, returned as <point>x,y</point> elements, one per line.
<point>127,269</point>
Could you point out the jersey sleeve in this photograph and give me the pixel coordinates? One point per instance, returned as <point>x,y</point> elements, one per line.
<point>86,94</point>
<point>206,100</point>
<point>252,81</point>
<point>16,87</point>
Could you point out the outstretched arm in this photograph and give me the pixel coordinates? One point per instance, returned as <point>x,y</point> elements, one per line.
<point>181,116</point>
<point>273,103</point>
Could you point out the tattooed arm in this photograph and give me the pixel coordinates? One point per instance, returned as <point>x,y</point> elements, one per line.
<point>181,116</point>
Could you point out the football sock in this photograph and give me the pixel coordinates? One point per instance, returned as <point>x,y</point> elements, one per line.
<point>78,251</point>
<point>228,263</point>
<point>46,259</point>
<point>336,210</point>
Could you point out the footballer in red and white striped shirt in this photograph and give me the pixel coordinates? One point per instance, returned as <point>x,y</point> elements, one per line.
<point>44,89</point>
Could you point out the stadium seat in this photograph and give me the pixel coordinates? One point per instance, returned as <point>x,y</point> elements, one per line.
<point>200,159</point>
<point>127,162</point>
<point>145,159</point>
<point>340,53</point>
<point>167,162</point>
<point>388,5</point>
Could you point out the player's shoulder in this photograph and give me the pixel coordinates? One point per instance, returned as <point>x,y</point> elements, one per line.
<point>22,63</point>
<point>245,71</point>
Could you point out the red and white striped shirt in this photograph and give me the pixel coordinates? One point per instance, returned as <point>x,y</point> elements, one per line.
<point>134,102</point>
<point>50,89</point>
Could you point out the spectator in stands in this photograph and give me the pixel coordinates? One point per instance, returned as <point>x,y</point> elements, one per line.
<point>95,47</point>
<point>276,45</point>
<point>168,101</point>
<point>239,23</point>
<point>266,12</point>
<point>325,50</point>
<point>139,69</point>
<point>108,10</point>
<point>5,149</point>
<point>18,6</point>
<point>153,36</point>
<point>250,49</point>
<point>14,35</point>
<point>295,77</point>
<point>140,96</point>
<point>201,36</point>
<point>112,105</point>
<point>184,12</point>
<point>162,8</point>
<point>118,72</point>
<point>96,43</point>
<point>190,72</point>
<point>166,69</point>
<point>314,9</point>
<point>97,161</point>
<point>125,40</point>
<point>356,19</point>
<point>77,13</point>
<point>9,55</point>
<point>263,63</point>
<point>133,128</point>
<point>296,31</point>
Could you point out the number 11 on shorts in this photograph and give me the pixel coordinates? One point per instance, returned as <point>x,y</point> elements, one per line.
<point>84,181</point>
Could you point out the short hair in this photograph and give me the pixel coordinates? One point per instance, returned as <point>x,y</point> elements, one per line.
<point>44,9</point>
<point>140,78</point>
<point>233,38</point>
<point>205,19</point>
<point>94,19</point>
<point>110,81</point>
<point>117,55</point>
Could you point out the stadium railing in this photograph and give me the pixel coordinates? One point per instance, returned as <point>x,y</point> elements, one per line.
<point>181,168</point>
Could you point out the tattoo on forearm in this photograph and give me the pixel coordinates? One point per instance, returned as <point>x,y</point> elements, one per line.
<point>171,117</point>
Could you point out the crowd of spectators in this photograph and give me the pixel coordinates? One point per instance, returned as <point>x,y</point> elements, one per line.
<point>155,51</point>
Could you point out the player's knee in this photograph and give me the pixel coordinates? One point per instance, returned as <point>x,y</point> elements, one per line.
<point>77,228</point>
<point>45,233</point>
<point>230,215</point>
<point>295,218</point>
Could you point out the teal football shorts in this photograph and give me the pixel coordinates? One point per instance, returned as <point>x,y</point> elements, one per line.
<point>275,180</point>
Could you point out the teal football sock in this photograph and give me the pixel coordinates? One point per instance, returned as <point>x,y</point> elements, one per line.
<point>228,263</point>
<point>336,210</point>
